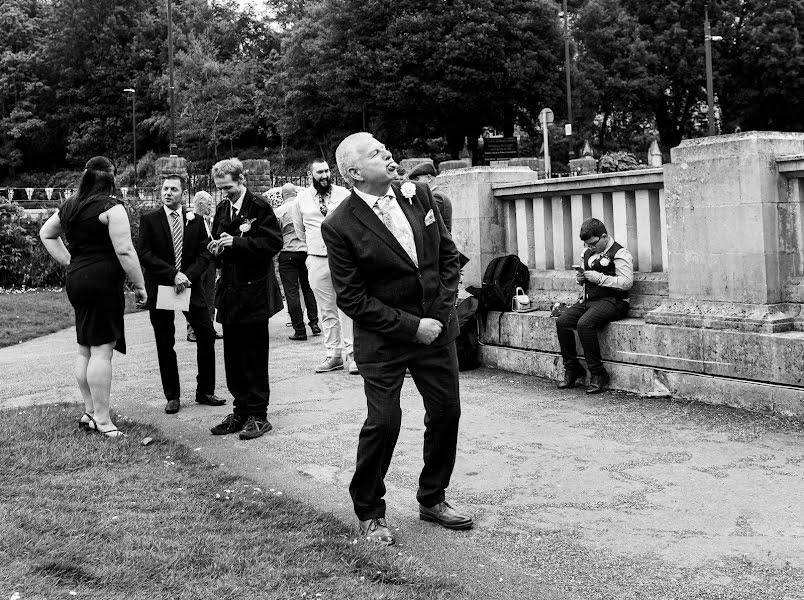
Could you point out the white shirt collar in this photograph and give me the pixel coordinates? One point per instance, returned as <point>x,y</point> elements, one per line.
<point>372,200</point>
<point>239,204</point>
<point>168,211</point>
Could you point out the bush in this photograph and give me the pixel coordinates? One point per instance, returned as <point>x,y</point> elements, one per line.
<point>24,262</point>
<point>618,161</point>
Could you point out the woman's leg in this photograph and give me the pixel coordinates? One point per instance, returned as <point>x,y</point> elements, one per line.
<point>81,362</point>
<point>99,378</point>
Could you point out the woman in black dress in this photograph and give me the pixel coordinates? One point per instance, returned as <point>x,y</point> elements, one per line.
<point>99,258</point>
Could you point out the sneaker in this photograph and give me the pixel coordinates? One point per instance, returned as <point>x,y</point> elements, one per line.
<point>231,424</point>
<point>255,428</point>
<point>352,365</point>
<point>332,363</point>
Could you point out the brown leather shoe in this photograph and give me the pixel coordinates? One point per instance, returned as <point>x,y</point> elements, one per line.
<point>597,384</point>
<point>446,516</point>
<point>571,379</point>
<point>376,530</point>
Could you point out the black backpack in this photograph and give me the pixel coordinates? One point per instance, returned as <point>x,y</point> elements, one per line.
<point>503,275</point>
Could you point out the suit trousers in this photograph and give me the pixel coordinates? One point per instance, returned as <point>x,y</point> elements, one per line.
<point>435,373</point>
<point>588,318</point>
<point>293,273</point>
<point>337,327</point>
<point>245,358</point>
<point>165,335</point>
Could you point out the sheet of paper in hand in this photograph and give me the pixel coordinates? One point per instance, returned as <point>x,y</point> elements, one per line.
<point>168,299</point>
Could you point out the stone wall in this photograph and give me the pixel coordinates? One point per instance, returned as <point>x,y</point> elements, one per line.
<point>719,321</point>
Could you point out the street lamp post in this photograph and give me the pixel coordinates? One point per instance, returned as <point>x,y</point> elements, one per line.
<point>133,93</point>
<point>568,129</point>
<point>173,147</point>
<point>710,94</point>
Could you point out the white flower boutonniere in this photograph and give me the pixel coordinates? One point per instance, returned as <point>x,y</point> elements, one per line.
<point>245,226</point>
<point>409,190</point>
<point>605,261</point>
<point>189,217</point>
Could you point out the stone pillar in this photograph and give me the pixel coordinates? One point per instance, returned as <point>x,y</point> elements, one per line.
<point>478,220</point>
<point>726,256</point>
<point>258,175</point>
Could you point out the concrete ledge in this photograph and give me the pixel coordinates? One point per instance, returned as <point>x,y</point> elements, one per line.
<point>769,360</point>
<point>661,383</point>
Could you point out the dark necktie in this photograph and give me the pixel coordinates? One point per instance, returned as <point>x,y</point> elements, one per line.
<point>322,205</point>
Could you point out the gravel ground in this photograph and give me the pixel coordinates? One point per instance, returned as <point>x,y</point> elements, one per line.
<point>574,497</point>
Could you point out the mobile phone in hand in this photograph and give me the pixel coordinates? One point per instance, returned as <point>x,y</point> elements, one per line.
<point>578,268</point>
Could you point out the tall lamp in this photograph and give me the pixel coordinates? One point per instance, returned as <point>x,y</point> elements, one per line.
<point>710,93</point>
<point>133,93</point>
<point>568,128</point>
<point>174,149</point>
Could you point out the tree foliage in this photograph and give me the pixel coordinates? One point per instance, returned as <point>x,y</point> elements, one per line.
<point>417,74</point>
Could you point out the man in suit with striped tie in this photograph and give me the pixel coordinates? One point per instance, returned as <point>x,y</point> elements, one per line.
<point>173,252</point>
<point>395,273</point>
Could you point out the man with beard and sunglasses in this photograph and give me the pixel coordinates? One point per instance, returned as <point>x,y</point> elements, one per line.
<point>313,204</point>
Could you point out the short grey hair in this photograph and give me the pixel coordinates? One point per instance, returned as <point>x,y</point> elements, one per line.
<point>202,198</point>
<point>346,154</point>
<point>228,166</point>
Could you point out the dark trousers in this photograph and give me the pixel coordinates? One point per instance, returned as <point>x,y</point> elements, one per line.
<point>165,334</point>
<point>245,358</point>
<point>435,373</point>
<point>587,318</point>
<point>293,273</point>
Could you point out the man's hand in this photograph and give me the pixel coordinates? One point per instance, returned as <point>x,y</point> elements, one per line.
<point>180,282</point>
<point>429,330</point>
<point>592,276</point>
<point>225,241</point>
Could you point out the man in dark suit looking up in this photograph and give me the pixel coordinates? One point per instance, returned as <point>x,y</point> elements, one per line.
<point>395,272</point>
<point>246,236</point>
<point>173,251</point>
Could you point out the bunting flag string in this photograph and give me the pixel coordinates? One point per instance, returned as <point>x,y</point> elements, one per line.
<point>29,192</point>
<point>125,193</point>
<point>49,193</point>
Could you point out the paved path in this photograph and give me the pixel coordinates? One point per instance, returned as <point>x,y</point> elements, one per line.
<point>574,497</point>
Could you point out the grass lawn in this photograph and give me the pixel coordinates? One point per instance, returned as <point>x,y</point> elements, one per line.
<point>29,314</point>
<point>88,517</point>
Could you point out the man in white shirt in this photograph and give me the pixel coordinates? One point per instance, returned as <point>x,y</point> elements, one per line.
<point>312,206</point>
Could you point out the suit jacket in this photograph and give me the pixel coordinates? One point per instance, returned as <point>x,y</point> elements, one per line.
<point>247,290</point>
<point>379,286</point>
<point>157,257</point>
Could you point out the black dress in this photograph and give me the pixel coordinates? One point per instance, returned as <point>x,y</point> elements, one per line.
<point>94,276</point>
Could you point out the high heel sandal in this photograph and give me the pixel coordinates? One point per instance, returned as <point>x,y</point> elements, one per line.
<point>84,425</point>
<point>111,433</point>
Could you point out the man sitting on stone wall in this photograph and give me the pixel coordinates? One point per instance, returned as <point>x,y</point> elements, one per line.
<point>606,274</point>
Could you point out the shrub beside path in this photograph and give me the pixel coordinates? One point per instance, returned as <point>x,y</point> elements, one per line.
<point>574,497</point>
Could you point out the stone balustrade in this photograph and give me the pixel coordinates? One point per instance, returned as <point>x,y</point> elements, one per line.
<point>717,236</point>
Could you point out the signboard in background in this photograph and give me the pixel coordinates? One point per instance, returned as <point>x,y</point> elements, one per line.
<point>500,148</point>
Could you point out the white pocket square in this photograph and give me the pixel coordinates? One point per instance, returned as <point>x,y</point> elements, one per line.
<point>429,218</point>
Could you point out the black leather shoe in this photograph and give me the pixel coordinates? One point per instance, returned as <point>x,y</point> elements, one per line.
<point>376,530</point>
<point>172,406</point>
<point>597,384</point>
<point>298,337</point>
<point>255,428</point>
<point>191,337</point>
<point>571,379</point>
<point>231,424</point>
<point>446,516</point>
<point>210,399</point>
<point>315,329</point>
